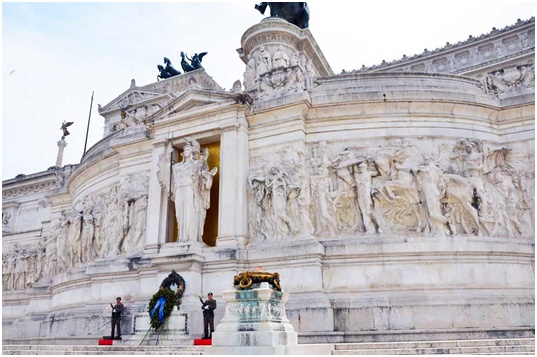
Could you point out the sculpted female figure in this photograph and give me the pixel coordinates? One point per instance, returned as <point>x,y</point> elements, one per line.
<point>206,181</point>
<point>62,234</point>
<point>263,61</point>
<point>187,195</point>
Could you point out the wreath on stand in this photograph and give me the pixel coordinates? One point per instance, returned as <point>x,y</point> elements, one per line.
<point>162,303</point>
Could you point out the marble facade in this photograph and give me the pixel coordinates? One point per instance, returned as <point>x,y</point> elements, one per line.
<point>388,201</point>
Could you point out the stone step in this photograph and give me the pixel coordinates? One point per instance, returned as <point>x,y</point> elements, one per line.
<point>518,349</point>
<point>100,350</point>
<point>107,353</point>
<point>108,348</point>
<point>435,344</point>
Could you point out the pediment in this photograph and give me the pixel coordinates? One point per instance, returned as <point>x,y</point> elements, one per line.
<point>132,98</point>
<point>192,100</point>
<point>161,92</point>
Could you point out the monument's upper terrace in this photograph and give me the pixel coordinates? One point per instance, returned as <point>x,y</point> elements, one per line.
<point>473,56</point>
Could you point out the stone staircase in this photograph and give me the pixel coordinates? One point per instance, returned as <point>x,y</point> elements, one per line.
<point>512,346</point>
<point>101,350</point>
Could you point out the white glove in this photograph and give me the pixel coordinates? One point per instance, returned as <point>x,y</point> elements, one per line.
<point>114,310</point>
<point>206,307</point>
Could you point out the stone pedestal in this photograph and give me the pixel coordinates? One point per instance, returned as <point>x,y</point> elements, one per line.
<point>254,322</point>
<point>174,331</point>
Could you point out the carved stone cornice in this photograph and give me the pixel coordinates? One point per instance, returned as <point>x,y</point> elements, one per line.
<point>467,55</point>
<point>274,31</point>
<point>28,190</point>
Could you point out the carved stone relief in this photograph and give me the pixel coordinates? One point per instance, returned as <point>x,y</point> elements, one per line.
<point>22,266</point>
<point>282,197</point>
<point>134,118</point>
<point>101,225</point>
<point>276,68</point>
<point>63,173</point>
<point>465,188</point>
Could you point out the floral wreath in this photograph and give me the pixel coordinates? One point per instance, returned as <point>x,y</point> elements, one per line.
<point>162,302</point>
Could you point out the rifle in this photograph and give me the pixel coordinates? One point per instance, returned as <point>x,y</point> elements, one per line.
<point>113,312</point>
<point>202,306</point>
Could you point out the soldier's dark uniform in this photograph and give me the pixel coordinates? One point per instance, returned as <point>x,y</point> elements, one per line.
<point>116,317</point>
<point>208,317</point>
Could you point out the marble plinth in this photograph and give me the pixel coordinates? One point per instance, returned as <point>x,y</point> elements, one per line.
<point>255,317</point>
<point>174,331</point>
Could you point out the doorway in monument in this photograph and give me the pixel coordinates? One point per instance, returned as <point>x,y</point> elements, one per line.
<point>210,228</point>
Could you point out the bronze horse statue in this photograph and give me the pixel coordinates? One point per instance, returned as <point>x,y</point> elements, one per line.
<point>296,13</point>
<point>187,67</point>
<point>163,74</point>
<point>169,68</point>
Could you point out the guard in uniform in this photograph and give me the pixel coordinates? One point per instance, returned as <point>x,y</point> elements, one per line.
<point>117,310</point>
<point>208,308</point>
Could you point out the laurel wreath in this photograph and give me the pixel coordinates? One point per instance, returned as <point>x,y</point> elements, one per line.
<point>171,301</point>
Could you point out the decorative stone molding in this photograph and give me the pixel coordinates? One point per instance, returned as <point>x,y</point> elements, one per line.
<point>9,216</point>
<point>279,58</point>
<point>28,190</point>
<point>44,202</point>
<point>464,56</point>
<point>509,79</point>
<point>63,173</point>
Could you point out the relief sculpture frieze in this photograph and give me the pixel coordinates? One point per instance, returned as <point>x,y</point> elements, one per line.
<point>467,188</point>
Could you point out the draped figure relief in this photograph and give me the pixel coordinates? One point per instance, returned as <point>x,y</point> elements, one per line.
<point>275,68</point>
<point>99,226</point>
<point>322,188</point>
<point>467,188</point>
<point>281,197</point>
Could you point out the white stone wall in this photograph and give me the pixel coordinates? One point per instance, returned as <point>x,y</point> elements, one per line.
<point>385,201</point>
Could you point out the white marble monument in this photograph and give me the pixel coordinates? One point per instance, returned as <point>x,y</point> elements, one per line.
<point>396,202</point>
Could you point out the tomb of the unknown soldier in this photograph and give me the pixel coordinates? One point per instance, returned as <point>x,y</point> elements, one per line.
<point>327,213</point>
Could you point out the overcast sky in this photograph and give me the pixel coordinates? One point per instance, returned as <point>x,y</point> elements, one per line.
<point>55,54</point>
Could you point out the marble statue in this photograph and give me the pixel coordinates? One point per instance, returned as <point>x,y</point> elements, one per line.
<point>206,182</point>
<point>192,184</point>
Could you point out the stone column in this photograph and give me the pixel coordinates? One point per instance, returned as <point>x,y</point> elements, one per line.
<point>233,210</point>
<point>157,204</point>
<point>61,146</point>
